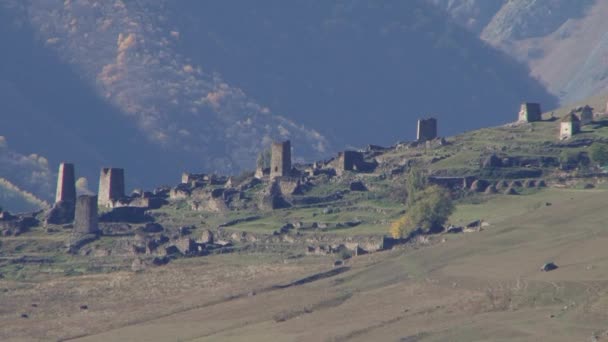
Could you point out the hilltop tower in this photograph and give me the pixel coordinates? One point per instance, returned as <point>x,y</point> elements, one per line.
<point>426,130</point>
<point>280,160</point>
<point>111,186</point>
<point>529,112</point>
<point>66,184</point>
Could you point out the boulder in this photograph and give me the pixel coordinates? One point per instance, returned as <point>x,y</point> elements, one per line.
<point>454,230</point>
<point>548,267</point>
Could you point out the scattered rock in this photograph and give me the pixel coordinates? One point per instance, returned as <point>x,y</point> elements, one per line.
<point>24,315</point>
<point>548,267</point>
<point>84,307</point>
<point>454,230</point>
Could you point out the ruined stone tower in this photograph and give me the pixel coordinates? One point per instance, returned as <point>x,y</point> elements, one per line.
<point>86,219</point>
<point>280,160</point>
<point>569,126</point>
<point>427,129</point>
<point>111,186</point>
<point>66,184</point>
<point>529,112</point>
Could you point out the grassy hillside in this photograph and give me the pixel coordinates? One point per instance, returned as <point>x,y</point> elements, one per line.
<point>476,286</point>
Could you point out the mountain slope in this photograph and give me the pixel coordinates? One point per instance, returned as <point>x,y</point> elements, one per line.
<point>358,71</point>
<point>565,43</point>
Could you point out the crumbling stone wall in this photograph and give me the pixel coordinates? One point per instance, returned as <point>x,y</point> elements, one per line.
<point>111,186</point>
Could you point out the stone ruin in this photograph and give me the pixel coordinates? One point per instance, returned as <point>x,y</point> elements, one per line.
<point>111,186</point>
<point>62,211</point>
<point>453,182</point>
<point>352,161</point>
<point>426,129</point>
<point>584,114</point>
<point>530,112</point>
<point>86,219</point>
<point>280,160</point>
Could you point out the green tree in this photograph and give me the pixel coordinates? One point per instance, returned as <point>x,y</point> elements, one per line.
<point>416,182</point>
<point>598,152</point>
<point>431,209</point>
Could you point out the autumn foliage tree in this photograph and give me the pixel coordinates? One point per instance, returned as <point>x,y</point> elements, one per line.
<point>428,208</point>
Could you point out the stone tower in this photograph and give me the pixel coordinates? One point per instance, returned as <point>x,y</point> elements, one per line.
<point>280,159</point>
<point>569,126</point>
<point>529,112</point>
<point>111,186</point>
<point>66,184</point>
<point>427,129</point>
<point>86,219</point>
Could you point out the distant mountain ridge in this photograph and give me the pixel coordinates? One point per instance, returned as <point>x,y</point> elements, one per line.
<point>564,42</point>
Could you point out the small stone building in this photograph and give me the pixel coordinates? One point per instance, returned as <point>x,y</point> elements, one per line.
<point>569,126</point>
<point>427,129</point>
<point>280,159</point>
<point>530,112</point>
